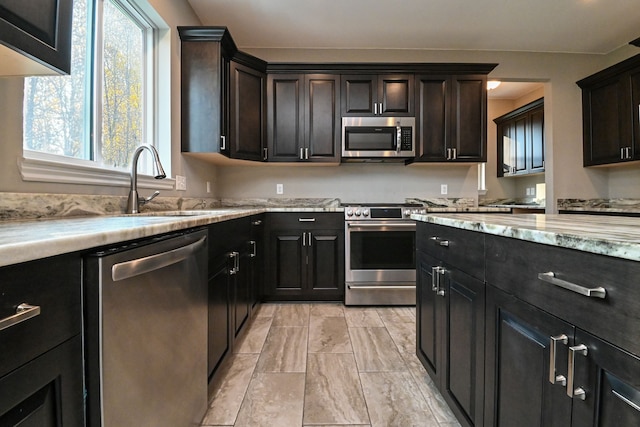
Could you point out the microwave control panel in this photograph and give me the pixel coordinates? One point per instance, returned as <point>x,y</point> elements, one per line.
<point>406,139</point>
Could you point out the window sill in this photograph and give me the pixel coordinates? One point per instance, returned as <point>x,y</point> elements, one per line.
<point>40,167</point>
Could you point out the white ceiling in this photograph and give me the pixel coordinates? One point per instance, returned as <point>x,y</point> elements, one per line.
<point>576,26</point>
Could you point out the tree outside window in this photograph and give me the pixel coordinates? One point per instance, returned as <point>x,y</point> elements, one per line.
<point>97,112</point>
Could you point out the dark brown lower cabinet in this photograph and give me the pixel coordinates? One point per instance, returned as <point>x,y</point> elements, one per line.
<point>518,391</point>
<point>305,257</point>
<point>450,335</point>
<point>526,350</point>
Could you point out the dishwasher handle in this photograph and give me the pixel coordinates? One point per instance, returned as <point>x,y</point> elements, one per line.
<point>135,267</point>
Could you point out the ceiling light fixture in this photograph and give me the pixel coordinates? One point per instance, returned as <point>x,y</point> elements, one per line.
<point>492,84</point>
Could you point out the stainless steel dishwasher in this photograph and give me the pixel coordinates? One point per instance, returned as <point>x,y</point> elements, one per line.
<point>146,333</point>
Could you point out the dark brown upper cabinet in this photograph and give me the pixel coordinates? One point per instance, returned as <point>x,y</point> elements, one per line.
<point>303,117</point>
<point>520,140</point>
<point>611,114</point>
<point>40,31</point>
<point>223,95</point>
<point>451,117</point>
<point>247,130</point>
<point>377,95</point>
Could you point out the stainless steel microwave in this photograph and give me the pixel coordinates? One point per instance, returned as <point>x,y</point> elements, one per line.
<point>378,138</point>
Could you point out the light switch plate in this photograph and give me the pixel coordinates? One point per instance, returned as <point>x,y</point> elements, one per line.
<point>181,182</point>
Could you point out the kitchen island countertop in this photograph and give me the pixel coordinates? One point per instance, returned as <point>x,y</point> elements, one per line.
<point>605,235</point>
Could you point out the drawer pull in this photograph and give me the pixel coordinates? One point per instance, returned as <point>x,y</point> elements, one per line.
<point>306,220</point>
<point>626,400</point>
<point>23,312</point>
<point>553,351</point>
<point>577,393</point>
<point>550,277</point>
<point>438,241</point>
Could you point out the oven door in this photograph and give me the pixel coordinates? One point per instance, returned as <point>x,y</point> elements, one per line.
<point>380,251</point>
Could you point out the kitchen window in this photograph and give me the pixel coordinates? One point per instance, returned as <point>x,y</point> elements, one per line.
<point>87,124</point>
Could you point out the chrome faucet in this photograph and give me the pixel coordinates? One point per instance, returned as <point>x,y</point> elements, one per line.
<point>134,202</point>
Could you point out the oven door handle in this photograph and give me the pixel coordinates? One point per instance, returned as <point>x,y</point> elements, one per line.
<point>386,225</point>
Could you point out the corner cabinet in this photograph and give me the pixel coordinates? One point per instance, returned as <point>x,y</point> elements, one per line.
<point>303,117</point>
<point>40,31</point>
<point>611,114</point>
<point>377,95</point>
<point>222,95</point>
<point>520,141</point>
<point>451,117</point>
<point>305,256</point>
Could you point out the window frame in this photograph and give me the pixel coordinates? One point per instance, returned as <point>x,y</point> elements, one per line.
<point>45,167</point>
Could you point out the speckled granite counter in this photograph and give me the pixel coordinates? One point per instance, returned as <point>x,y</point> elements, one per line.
<point>600,206</point>
<point>606,235</point>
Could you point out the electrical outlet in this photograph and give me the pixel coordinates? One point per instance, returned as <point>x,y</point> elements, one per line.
<point>532,191</point>
<point>444,189</point>
<point>181,182</point>
<point>527,191</point>
<point>208,187</point>
<point>279,189</point>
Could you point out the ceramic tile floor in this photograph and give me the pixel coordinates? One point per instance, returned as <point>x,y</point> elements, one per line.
<point>327,365</point>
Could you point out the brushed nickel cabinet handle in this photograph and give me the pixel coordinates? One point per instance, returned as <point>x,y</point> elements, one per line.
<point>306,220</point>
<point>579,392</point>
<point>223,142</point>
<point>553,351</point>
<point>24,312</point>
<point>550,277</point>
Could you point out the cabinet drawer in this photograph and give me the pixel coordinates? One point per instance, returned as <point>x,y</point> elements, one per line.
<point>306,220</point>
<point>461,248</point>
<point>514,265</point>
<point>53,284</point>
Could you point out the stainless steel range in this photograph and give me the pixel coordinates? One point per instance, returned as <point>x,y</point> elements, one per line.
<point>380,254</point>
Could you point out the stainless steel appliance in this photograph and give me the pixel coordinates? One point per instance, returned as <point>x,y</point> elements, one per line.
<point>146,332</point>
<point>380,254</point>
<point>384,138</point>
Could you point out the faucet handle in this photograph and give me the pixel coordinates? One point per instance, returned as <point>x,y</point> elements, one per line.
<point>144,201</point>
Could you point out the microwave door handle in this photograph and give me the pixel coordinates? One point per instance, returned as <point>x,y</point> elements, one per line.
<point>398,137</point>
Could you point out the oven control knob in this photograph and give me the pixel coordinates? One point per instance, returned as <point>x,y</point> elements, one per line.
<point>349,212</point>
<point>365,212</point>
<point>422,211</point>
<point>358,213</point>
<point>407,213</point>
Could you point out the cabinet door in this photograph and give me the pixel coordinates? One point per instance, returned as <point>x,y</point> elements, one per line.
<point>610,378</point>
<point>635,111</point>
<point>507,151</point>
<point>469,118</point>
<point>606,127</point>
<point>322,118</point>
<point>240,289</point>
<point>325,264</point>
<point>430,310</point>
<point>359,94</point>
<point>395,95</point>
<point>521,133</point>
<point>286,260</point>
<point>247,113</point>
<point>47,391</point>
<point>464,353</point>
<point>204,98</point>
<point>285,117</point>
<point>518,391</point>
<point>536,139</point>
<point>432,117</point>
<point>219,339</point>
<point>39,29</point>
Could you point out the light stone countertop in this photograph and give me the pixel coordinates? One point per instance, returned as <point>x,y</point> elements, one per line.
<point>614,236</point>
<point>32,239</point>
<point>28,240</point>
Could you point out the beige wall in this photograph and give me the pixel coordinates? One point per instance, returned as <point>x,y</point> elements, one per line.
<point>565,175</point>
